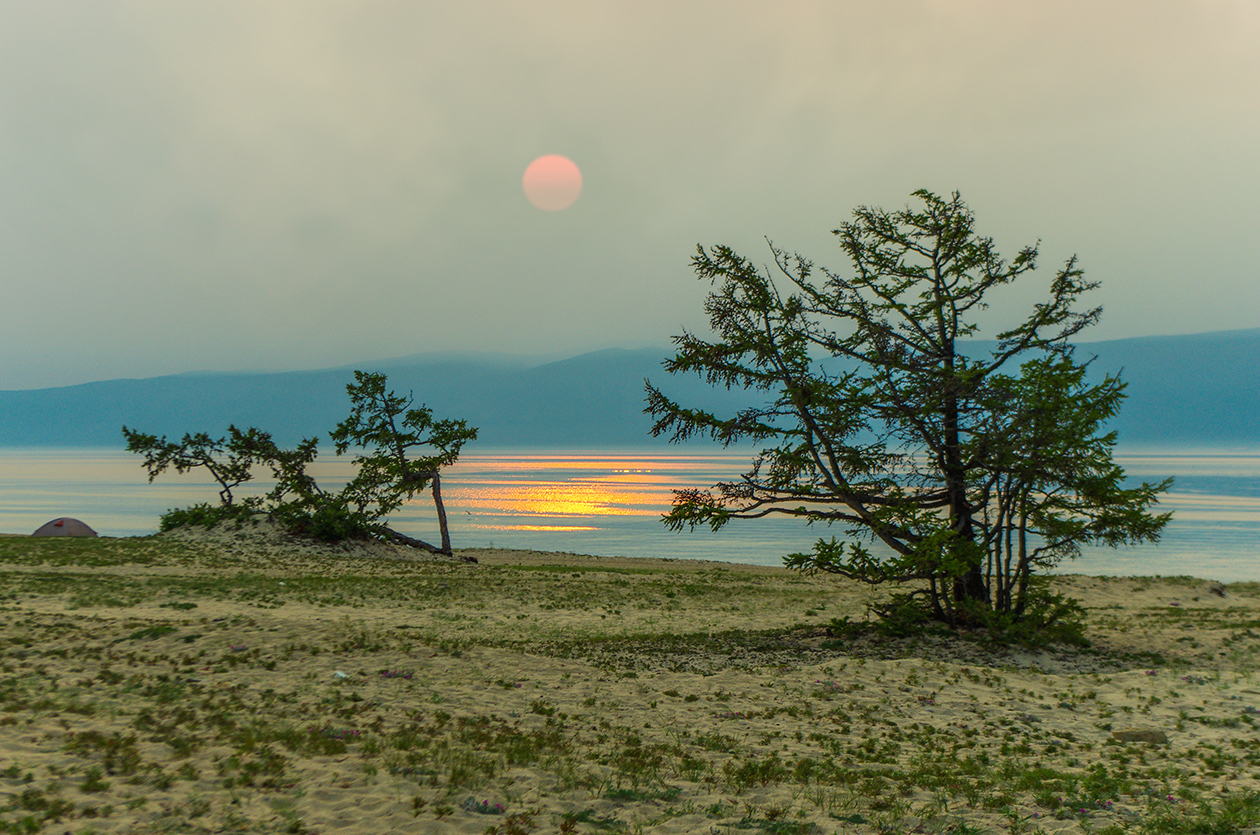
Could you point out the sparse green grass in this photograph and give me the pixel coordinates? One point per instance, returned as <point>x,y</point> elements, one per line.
<point>590,698</point>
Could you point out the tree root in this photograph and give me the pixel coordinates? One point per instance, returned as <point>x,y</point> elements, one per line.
<point>411,542</point>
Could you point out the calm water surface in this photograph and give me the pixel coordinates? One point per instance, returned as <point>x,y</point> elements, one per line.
<point>610,504</point>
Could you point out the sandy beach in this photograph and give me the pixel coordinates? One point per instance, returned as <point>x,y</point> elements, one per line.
<point>238,683</point>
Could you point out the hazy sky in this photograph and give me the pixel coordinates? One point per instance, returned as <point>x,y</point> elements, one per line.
<point>268,185</point>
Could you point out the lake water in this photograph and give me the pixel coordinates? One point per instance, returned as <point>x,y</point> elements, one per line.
<point>610,504</point>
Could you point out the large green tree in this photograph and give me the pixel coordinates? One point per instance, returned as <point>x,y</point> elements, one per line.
<point>973,467</point>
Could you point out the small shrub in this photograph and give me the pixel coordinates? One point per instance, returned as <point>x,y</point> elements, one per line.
<point>327,521</point>
<point>93,781</point>
<point>204,515</point>
<point>482,807</point>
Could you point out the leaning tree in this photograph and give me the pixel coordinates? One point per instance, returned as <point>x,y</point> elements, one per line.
<point>967,466</point>
<point>405,449</point>
<point>399,451</point>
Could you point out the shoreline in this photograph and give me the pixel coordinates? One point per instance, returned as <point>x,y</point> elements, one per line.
<point>1216,513</point>
<point>531,556</point>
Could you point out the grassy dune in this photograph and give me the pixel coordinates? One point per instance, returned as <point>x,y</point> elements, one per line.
<point>240,683</point>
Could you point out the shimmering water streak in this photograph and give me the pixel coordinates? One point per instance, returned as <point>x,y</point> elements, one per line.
<point>568,486</point>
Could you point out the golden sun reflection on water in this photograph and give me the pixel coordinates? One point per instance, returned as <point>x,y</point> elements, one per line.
<point>585,488</point>
<point>560,499</point>
<point>546,528</point>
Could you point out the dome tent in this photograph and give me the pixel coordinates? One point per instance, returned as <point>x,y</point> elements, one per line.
<point>64,526</point>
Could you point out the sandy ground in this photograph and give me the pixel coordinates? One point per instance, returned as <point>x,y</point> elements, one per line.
<point>238,684</point>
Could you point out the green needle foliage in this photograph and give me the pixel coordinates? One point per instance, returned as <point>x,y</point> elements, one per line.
<point>387,427</point>
<point>390,428</point>
<point>228,460</point>
<point>973,470</point>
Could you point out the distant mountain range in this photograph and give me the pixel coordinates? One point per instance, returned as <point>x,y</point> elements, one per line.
<point>1200,390</point>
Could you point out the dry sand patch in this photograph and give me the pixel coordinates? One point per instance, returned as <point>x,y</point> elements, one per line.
<point>200,684</point>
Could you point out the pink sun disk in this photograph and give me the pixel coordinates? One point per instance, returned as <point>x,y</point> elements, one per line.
<point>552,182</point>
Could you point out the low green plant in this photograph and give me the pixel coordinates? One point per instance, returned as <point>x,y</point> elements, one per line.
<point>1234,814</point>
<point>93,781</point>
<point>205,515</point>
<point>482,807</point>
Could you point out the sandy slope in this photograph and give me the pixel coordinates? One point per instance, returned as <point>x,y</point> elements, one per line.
<point>241,685</point>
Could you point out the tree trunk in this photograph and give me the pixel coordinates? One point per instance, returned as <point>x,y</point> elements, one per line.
<point>971,585</point>
<point>441,514</point>
<point>402,539</point>
<point>410,541</point>
<point>1023,569</point>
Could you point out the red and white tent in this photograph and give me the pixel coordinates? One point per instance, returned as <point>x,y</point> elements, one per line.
<point>64,526</point>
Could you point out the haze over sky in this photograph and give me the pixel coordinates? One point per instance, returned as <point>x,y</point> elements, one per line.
<point>240,185</point>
